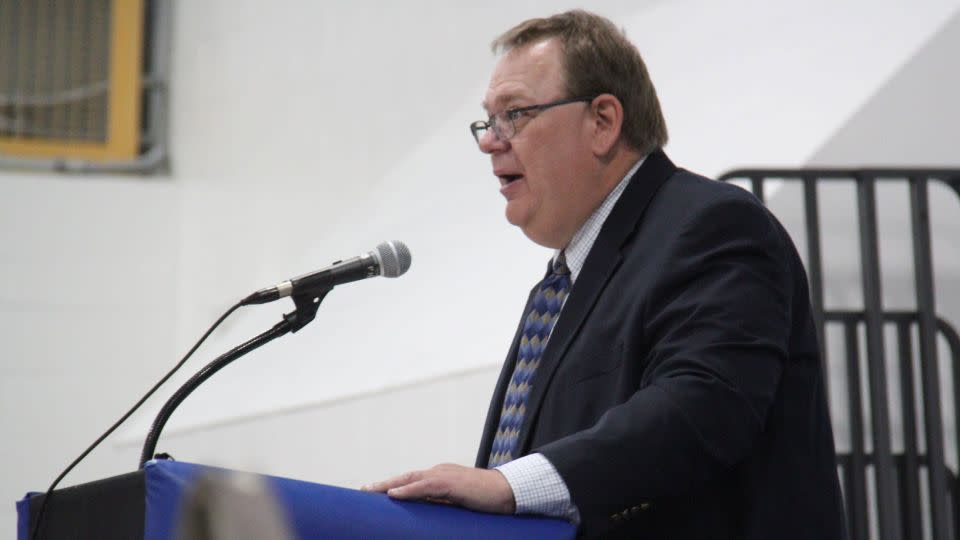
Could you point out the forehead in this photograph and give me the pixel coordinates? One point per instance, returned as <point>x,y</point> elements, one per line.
<point>526,74</point>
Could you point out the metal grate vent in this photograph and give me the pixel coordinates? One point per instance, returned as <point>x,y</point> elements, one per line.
<point>83,85</point>
<point>54,69</point>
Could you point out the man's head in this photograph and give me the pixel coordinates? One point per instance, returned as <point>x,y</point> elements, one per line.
<point>572,109</point>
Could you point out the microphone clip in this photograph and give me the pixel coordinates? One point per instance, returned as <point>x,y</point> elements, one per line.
<point>307,305</point>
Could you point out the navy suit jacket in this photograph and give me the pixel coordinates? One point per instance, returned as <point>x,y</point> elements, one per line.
<point>680,395</point>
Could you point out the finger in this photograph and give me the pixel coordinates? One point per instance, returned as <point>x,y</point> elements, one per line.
<point>394,482</point>
<point>427,488</point>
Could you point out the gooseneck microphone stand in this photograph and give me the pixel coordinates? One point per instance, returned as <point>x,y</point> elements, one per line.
<point>306,310</point>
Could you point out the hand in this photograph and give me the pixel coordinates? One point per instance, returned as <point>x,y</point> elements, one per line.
<point>484,490</point>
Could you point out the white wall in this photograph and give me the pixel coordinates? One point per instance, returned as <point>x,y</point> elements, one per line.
<point>312,131</point>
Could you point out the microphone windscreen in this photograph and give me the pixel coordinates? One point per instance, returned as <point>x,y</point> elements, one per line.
<point>394,258</point>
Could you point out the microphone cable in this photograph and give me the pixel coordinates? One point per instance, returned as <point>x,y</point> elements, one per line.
<point>49,492</point>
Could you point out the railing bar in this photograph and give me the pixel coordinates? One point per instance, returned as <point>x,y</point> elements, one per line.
<point>910,466</point>
<point>857,519</point>
<point>888,518</point>
<point>756,185</point>
<point>929,365</point>
<point>868,459</point>
<point>843,316</point>
<point>815,270</point>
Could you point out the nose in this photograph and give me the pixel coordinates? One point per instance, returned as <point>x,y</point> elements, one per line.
<point>490,143</point>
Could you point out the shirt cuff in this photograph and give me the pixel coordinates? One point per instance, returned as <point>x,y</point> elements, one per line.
<point>538,488</point>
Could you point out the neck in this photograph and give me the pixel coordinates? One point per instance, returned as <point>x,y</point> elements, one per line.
<point>610,173</point>
<point>621,160</point>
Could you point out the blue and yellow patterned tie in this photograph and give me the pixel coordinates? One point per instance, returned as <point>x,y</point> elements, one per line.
<point>537,327</point>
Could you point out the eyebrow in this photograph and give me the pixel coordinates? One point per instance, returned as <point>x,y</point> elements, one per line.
<point>504,99</point>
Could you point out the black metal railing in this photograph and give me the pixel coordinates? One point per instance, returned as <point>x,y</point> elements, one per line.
<point>897,504</point>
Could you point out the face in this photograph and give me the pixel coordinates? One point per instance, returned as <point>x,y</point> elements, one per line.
<point>547,171</point>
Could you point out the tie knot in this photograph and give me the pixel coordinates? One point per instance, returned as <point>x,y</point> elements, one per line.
<point>560,264</point>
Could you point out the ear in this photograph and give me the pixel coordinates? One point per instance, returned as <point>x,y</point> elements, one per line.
<point>606,123</point>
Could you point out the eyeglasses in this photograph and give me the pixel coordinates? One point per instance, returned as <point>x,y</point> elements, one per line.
<point>504,123</point>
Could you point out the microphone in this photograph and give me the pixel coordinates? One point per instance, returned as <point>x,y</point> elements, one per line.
<point>389,259</point>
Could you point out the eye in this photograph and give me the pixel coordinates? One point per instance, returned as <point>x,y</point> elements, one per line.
<point>514,114</point>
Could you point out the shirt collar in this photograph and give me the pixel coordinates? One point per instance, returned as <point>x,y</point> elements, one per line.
<point>579,247</point>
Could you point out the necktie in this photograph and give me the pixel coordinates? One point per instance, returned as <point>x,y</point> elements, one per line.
<point>537,326</point>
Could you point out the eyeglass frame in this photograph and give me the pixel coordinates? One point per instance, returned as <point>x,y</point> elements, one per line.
<point>515,114</point>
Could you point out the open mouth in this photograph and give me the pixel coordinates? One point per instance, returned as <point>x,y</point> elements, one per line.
<point>510,178</point>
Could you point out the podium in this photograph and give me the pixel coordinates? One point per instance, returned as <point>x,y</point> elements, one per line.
<point>150,504</point>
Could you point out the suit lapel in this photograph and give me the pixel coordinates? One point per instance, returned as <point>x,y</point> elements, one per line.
<point>603,260</point>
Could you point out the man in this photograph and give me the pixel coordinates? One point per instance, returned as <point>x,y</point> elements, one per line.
<point>665,381</point>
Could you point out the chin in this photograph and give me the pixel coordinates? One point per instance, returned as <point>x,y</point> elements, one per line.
<point>542,238</point>
<point>518,217</point>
